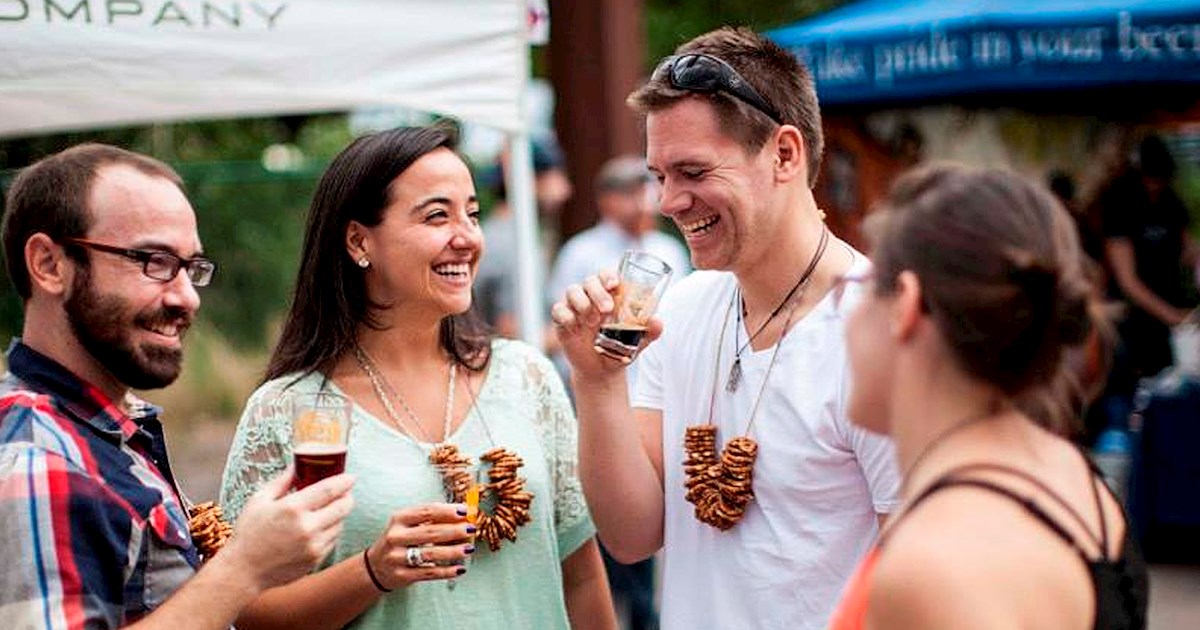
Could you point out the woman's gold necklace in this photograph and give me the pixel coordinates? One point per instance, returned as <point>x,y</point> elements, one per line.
<point>511,501</point>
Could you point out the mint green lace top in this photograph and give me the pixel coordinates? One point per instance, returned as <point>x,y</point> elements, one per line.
<point>526,410</point>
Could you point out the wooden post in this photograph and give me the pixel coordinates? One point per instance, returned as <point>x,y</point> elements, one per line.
<point>597,57</point>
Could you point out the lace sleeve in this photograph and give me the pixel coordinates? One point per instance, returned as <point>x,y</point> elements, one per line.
<point>556,425</point>
<point>261,449</point>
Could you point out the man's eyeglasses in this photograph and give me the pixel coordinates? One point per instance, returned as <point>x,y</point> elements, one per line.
<point>161,266</point>
<point>705,74</point>
<point>842,284</point>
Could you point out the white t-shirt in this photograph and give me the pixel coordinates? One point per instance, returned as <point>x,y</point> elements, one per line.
<point>818,482</point>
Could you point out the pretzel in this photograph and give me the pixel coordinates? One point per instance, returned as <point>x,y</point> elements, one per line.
<point>209,529</point>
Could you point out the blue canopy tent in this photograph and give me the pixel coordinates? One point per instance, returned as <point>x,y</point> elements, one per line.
<point>876,51</point>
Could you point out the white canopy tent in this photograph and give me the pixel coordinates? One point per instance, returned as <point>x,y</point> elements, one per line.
<point>81,64</point>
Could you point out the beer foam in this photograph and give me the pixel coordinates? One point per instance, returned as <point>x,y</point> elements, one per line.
<point>319,448</point>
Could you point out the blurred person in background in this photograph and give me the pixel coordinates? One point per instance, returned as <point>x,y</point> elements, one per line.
<point>627,204</point>
<point>102,246</point>
<point>1149,254</point>
<point>735,457</point>
<point>978,290</point>
<point>496,285</point>
<point>382,314</point>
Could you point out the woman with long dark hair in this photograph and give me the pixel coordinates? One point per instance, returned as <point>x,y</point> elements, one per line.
<point>958,352</point>
<point>381,314</point>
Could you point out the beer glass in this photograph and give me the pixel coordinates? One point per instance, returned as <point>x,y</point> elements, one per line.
<point>461,483</point>
<point>644,277</point>
<point>320,433</point>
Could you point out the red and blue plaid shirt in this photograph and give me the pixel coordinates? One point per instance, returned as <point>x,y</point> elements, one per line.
<point>92,531</point>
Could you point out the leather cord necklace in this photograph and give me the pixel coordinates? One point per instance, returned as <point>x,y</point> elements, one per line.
<point>721,484</point>
<point>735,371</point>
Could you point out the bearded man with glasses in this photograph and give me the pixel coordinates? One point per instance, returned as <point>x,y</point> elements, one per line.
<point>735,457</point>
<point>101,245</point>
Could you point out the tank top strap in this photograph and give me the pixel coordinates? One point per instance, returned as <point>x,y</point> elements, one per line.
<point>1100,541</point>
<point>1097,483</point>
<point>953,479</point>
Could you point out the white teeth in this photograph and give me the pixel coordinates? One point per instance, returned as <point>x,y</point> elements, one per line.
<point>453,269</point>
<point>700,226</point>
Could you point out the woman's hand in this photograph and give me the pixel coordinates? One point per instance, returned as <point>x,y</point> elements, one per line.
<point>438,536</point>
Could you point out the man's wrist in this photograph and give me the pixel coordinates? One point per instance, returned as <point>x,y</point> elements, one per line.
<point>234,574</point>
<point>599,382</point>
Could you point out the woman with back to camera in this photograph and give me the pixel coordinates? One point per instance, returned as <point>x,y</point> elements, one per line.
<point>381,315</point>
<point>978,291</point>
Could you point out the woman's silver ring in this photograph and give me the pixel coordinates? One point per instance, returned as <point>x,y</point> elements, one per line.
<point>414,558</point>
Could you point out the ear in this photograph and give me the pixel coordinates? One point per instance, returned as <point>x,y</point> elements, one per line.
<point>790,160</point>
<point>49,269</point>
<point>907,311</point>
<point>357,236</point>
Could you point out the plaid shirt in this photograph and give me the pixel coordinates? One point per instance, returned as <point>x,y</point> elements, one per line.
<point>92,531</point>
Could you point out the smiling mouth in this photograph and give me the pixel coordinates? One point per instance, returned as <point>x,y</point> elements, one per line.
<point>453,270</point>
<point>172,330</point>
<point>700,227</point>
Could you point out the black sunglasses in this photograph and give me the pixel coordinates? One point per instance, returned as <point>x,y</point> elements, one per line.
<point>706,74</point>
<point>157,265</point>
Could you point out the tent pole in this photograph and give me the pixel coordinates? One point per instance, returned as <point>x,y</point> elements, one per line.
<point>519,182</point>
<point>529,258</point>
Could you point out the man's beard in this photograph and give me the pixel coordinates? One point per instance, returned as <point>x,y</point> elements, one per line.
<point>100,325</point>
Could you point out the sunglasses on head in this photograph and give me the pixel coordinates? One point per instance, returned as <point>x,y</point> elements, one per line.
<point>706,74</point>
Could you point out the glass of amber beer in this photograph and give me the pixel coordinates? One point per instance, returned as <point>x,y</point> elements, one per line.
<point>320,433</point>
<point>461,484</point>
<point>644,277</point>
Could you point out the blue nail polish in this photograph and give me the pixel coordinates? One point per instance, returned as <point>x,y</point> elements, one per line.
<point>462,511</point>
<point>470,529</point>
<point>469,549</point>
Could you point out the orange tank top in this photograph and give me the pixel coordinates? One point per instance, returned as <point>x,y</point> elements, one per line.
<point>851,612</point>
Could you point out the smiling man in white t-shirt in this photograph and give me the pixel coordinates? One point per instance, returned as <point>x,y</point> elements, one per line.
<point>762,524</point>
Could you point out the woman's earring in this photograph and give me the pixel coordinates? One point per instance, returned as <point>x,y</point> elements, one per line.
<point>363,262</point>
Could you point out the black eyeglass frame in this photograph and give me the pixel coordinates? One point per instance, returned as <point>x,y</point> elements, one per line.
<point>720,77</point>
<point>200,270</point>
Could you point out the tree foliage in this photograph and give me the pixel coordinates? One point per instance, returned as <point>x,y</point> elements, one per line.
<point>672,22</point>
<point>251,219</point>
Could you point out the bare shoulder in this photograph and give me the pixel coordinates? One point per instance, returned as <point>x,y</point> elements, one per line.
<point>924,581</point>
<point>967,558</point>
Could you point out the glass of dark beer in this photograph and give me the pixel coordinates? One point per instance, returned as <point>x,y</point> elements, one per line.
<point>320,433</point>
<point>644,277</point>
